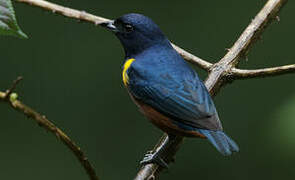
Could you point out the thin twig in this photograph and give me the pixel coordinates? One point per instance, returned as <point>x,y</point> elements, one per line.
<point>42,121</point>
<point>71,13</point>
<point>12,88</point>
<point>254,73</point>
<point>193,59</point>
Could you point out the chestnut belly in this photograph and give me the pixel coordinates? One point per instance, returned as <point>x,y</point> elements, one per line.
<point>163,122</point>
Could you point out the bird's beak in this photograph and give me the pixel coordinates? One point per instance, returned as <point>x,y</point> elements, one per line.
<point>110,25</point>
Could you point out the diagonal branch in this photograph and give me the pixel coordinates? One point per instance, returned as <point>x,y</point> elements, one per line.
<point>71,13</point>
<point>259,73</point>
<point>240,48</point>
<point>193,59</point>
<point>12,88</point>
<point>42,121</point>
<point>86,17</point>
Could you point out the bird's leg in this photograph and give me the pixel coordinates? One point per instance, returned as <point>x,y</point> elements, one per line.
<point>156,156</point>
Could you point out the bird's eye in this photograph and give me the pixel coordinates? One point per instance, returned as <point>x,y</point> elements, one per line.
<point>128,28</point>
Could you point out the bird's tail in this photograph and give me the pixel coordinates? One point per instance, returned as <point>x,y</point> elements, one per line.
<point>224,144</point>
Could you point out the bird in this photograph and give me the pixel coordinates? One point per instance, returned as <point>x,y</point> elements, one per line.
<point>165,88</point>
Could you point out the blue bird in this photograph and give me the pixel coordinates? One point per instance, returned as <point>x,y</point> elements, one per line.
<point>165,88</point>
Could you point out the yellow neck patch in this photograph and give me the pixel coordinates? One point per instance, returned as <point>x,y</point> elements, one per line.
<point>125,68</point>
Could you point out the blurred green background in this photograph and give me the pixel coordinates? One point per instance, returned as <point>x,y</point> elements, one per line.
<point>72,74</point>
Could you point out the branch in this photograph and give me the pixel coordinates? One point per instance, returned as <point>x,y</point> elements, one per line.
<point>10,90</point>
<point>192,58</point>
<point>240,48</point>
<point>71,13</point>
<point>42,121</point>
<point>274,71</point>
<point>97,20</point>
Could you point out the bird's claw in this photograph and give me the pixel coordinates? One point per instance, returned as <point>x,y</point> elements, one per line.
<point>153,158</point>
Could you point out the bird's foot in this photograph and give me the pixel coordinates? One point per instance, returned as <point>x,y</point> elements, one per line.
<point>151,157</point>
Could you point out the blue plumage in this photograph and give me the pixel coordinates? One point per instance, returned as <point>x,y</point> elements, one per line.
<point>164,86</point>
<point>224,144</point>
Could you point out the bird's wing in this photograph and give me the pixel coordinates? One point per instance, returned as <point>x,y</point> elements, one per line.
<point>186,101</point>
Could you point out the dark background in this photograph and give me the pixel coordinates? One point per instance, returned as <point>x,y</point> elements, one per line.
<point>72,74</point>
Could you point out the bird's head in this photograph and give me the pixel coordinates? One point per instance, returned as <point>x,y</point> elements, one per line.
<point>136,33</point>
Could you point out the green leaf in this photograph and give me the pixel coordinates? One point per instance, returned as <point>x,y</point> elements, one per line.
<point>8,24</point>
